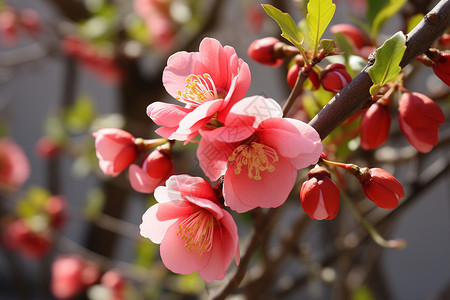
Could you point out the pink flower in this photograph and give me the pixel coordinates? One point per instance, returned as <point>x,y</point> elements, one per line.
<point>14,165</point>
<point>195,233</point>
<point>156,167</point>
<point>31,21</point>
<point>259,152</point>
<point>70,275</point>
<point>115,150</point>
<point>381,187</point>
<point>419,118</point>
<point>319,195</point>
<point>8,27</point>
<point>209,82</point>
<point>375,125</point>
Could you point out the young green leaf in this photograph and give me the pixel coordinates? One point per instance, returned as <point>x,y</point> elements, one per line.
<point>387,60</point>
<point>320,13</point>
<point>288,27</point>
<point>385,13</point>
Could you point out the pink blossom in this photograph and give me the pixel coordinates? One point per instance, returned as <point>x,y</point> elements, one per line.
<point>259,152</point>
<point>208,82</point>
<point>70,275</point>
<point>115,150</point>
<point>156,167</point>
<point>195,233</point>
<point>14,165</point>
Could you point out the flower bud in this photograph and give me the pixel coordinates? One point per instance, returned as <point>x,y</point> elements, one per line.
<point>8,27</point>
<point>353,33</point>
<point>319,195</point>
<point>114,280</point>
<point>419,118</point>
<point>155,169</point>
<point>380,187</point>
<point>47,148</point>
<point>292,75</point>
<point>334,78</point>
<point>69,276</point>
<point>14,165</point>
<point>55,207</point>
<point>31,21</point>
<point>441,67</point>
<point>263,51</point>
<point>375,125</point>
<point>115,150</point>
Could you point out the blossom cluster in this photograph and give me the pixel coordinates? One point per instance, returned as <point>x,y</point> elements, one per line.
<point>249,148</point>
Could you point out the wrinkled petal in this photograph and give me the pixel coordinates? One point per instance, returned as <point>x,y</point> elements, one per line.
<point>208,204</point>
<point>257,106</point>
<point>153,228</point>
<point>271,191</point>
<point>222,253</point>
<point>186,185</point>
<point>213,157</point>
<point>291,137</point>
<point>176,257</point>
<point>179,66</point>
<point>198,117</point>
<point>167,114</point>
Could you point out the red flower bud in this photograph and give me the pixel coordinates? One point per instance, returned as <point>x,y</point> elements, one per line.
<point>55,208</point>
<point>375,125</point>
<point>334,78</point>
<point>8,27</point>
<point>115,150</point>
<point>14,164</point>
<point>47,148</point>
<point>19,236</point>
<point>292,75</point>
<point>114,280</point>
<point>263,51</point>
<point>353,33</point>
<point>380,187</point>
<point>31,21</point>
<point>319,195</point>
<point>419,118</point>
<point>70,275</point>
<point>441,67</point>
<point>155,169</point>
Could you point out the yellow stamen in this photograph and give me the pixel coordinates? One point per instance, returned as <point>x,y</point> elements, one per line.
<point>197,90</point>
<point>198,231</point>
<point>257,157</point>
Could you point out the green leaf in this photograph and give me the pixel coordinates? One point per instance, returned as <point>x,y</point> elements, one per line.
<point>414,21</point>
<point>287,25</point>
<point>387,59</point>
<point>328,46</point>
<point>373,8</point>
<point>392,7</point>
<point>320,13</point>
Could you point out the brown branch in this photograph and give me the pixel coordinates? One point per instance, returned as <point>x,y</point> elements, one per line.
<point>356,94</point>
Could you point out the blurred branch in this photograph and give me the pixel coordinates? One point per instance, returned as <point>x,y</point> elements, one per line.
<point>356,94</point>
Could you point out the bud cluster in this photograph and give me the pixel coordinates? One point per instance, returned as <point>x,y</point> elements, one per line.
<point>13,22</point>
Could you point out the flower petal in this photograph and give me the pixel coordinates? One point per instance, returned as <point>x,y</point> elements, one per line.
<point>257,106</point>
<point>241,192</point>
<point>176,257</point>
<point>291,137</point>
<point>179,66</point>
<point>152,228</point>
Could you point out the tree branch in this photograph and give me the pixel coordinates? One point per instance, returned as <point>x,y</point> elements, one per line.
<point>356,94</point>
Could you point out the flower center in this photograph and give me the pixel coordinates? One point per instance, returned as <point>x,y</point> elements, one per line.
<point>198,90</point>
<point>198,231</point>
<point>257,157</point>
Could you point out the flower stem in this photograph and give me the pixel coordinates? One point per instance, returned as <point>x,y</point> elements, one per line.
<point>396,243</point>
